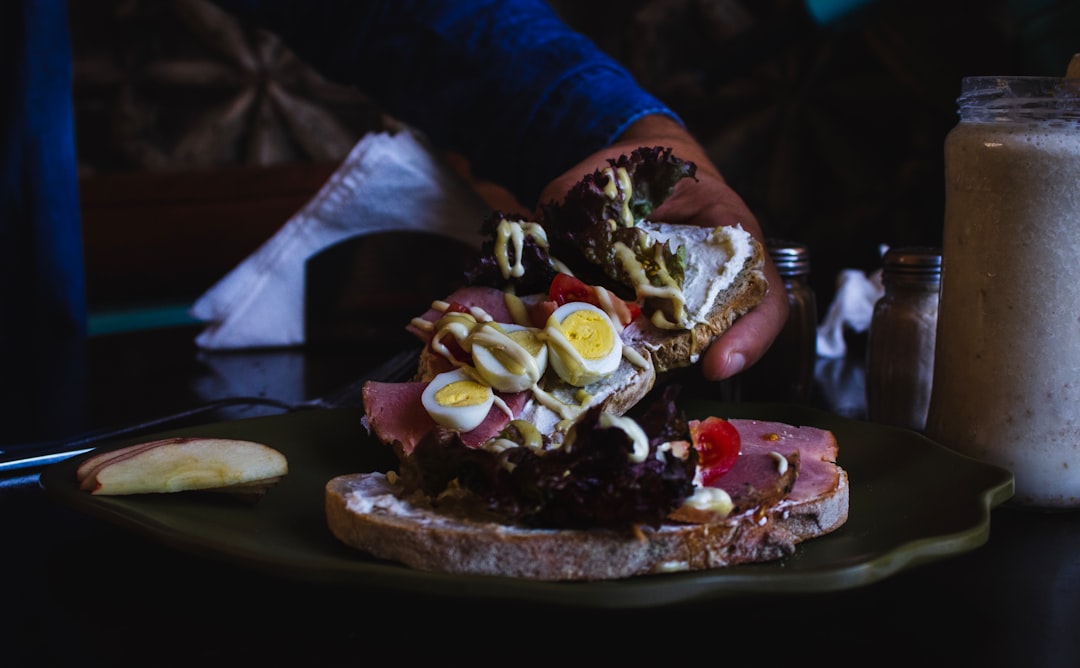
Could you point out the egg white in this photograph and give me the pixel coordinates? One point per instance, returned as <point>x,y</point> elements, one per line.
<point>565,358</point>
<point>453,415</point>
<point>490,366</point>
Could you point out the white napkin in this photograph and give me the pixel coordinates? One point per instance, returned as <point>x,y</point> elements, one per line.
<point>852,308</point>
<point>387,182</point>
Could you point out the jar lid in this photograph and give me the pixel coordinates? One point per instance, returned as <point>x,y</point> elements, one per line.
<point>913,262</point>
<point>995,99</point>
<point>914,258</point>
<point>790,257</point>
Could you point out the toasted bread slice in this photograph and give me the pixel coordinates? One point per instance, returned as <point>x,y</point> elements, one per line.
<point>724,280</point>
<point>369,512</point>
<point>615,394</point>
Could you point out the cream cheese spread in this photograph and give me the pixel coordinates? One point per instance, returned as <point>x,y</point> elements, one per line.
<point>718,255</point>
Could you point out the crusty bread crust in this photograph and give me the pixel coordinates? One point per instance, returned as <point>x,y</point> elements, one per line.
<point>366,512</point>
<point>673,349</point>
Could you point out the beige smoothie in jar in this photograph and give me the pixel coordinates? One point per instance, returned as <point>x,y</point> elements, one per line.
<point>1006,386</point>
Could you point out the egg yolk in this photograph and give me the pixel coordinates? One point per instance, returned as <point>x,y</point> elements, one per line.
<point>590,335</point>
<point>462,393</point>
<point>527,340</point>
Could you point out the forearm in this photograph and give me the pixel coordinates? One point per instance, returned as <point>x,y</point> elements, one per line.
<point>505,83</point>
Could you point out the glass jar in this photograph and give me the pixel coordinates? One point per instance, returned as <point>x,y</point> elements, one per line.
<point>900,347</point>
<point>1006,385</point>
<point>786,372</point>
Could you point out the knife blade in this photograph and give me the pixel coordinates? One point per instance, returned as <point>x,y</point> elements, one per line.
<point>399,366</point>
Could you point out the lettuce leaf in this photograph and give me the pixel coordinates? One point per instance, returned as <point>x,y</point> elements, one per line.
<point>483,269</point>
<point>589,482</point>
<point>598,213</point>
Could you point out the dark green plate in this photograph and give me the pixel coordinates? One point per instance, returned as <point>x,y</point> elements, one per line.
<point>912,501</point>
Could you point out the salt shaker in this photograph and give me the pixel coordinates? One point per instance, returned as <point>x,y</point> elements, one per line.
<point>900,347</point>
<point>1007,365</point>
<point>786,371</point>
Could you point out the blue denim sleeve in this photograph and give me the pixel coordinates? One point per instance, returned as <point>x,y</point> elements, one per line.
<point>504,82</point>
<point>41,265</point>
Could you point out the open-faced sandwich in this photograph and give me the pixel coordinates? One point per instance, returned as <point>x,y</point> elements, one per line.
<point>525,445</point>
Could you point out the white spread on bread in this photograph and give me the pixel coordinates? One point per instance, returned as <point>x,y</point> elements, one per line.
<point>707,273</point>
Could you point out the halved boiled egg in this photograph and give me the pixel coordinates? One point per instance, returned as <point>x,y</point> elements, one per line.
<point>457,401</point>
<point>585,345</point>
<point>511,358</point>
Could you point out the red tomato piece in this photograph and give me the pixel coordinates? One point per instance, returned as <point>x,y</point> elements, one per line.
<point>717,443</point>
<point>566,288</point>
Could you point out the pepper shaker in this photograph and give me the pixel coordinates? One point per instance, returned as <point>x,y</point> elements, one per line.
<point>786,371</point>
<point>903,329</point>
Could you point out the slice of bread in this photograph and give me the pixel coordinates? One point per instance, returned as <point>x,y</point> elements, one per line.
<point>368,512</point>
<point>724,280</point>
<point>615,394</point>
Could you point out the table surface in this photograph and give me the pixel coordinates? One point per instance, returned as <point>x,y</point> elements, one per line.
<point>78,588</point>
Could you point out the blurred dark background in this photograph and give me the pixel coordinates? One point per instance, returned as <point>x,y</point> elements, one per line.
<point>191,126</point>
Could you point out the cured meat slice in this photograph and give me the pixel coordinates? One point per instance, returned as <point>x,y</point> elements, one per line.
<point>395,414</point>
<point>817,450</point>
<point>493,302</point>
<point>759,480</point>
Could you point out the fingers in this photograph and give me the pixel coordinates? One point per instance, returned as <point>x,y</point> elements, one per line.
<point>709,201</point>
<point>747,340</point>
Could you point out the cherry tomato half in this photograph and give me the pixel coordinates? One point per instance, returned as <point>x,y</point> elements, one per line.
<point>457,307</point>
<point>717,443</point>
<point>566,288</point>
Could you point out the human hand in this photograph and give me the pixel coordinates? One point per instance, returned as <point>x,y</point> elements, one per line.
<point>709,201</point>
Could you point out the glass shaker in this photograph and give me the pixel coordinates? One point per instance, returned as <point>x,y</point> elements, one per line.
<point>900,347</point>
<point>786,372</point>
<point>1006,386</point>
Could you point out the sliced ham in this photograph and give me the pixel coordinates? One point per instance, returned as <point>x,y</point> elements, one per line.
<point>491,300</point>
<point>395,414</point>
<point>759,480</point>
<point>817,450</point>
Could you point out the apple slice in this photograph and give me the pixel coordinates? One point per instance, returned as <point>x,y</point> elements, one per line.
<point>88,467</point>
<point>183,464</point>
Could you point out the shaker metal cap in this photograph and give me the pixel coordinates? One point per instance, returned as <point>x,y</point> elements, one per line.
<point>913,259</point>
<point>912,264</point>
<point>790,257</point>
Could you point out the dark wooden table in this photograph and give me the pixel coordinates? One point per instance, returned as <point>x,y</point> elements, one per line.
<point>81,591</point>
